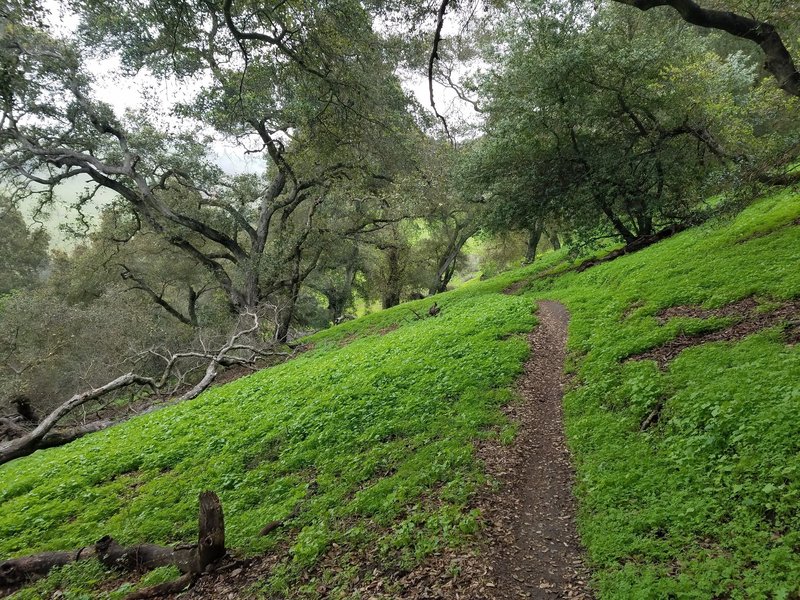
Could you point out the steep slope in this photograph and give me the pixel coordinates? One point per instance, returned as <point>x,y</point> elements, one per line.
<point>361,444</point>
<point>689,475</point>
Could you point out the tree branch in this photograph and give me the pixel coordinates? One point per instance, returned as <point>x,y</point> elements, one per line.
<point>437,38</point>
<point>142,285</point>
<point>778,62</point>
<point>42,435</point>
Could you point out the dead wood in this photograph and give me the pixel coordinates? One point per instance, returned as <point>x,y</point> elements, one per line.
<point>188,559</point>
<point>192,560</point>
<point>59,437</point>
<point>653,417</point>
<point>637,244</point>
<point>780,179</point>
<point>10,428</point>
<point>30,442</point>
<point>141,557</point>
<point>271,526</point>
<point>26,440</point>
<point>22,404</point>
<point>278,523</point>
<point>17,571</point>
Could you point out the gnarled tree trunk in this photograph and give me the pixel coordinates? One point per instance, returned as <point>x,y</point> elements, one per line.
<point>394,285</point>
<point>447,264</point>
<point>535,234</point>
<point>554,240</point>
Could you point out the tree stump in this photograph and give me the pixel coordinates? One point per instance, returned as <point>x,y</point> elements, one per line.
<point>191,560</point>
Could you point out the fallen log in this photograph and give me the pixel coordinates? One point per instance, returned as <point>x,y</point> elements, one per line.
<point>17,440</point>
<point>29,443</point>
<point>59,437</point>
<point>18,571</point>
<point>191,560</point>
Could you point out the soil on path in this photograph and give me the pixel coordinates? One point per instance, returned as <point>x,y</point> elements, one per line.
<point>531,547</point>
<point>534,550</point>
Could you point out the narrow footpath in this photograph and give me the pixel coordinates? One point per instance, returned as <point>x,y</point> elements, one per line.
<point>534,550</point>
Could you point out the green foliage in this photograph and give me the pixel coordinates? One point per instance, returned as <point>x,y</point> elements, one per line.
<point>23,253</point>
<point>314,89</point>
<point>613,121</point>
<point>704,503</point>
<point>369,434</point>
<point>159,575</point>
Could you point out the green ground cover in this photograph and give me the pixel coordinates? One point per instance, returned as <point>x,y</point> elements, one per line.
<point>706,503</point>
<point>370,434</point>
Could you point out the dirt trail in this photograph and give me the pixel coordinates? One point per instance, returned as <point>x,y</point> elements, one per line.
<point>532,549</point>
<point>535,550</point>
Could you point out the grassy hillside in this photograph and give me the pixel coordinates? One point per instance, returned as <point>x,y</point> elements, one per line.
<point>369,434</point>
<point>705,502</point>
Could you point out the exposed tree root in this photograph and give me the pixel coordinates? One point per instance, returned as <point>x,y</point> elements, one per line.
<point>18,571</point>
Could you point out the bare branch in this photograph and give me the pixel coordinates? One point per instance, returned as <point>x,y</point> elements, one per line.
<point>437,38</point>
<point>42,434</point>
<point>26,444</point>
<point>159,299</point>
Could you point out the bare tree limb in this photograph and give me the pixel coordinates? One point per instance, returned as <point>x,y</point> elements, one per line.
<point>192,560</point>
<point>28,443</point>
<point>437,38</point>
<point>213,366</point>
<point>159,299</point>
<point>43,435</point>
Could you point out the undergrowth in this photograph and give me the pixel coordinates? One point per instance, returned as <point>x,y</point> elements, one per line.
<point>704,504</point>
<point>364,442</point>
